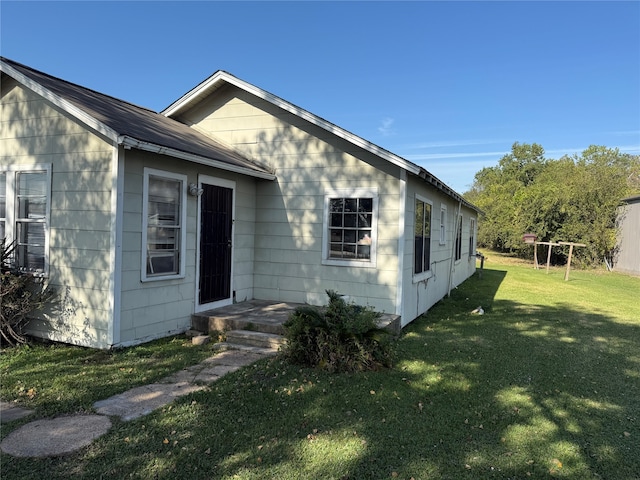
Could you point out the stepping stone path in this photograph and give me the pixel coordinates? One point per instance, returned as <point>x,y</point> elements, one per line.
<point>62,435</point>
<point>47,438</point>
<point>10,412</point>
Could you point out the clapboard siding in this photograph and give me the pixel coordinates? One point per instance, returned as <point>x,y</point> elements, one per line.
<point>308,162</point>
<point>33,131</point>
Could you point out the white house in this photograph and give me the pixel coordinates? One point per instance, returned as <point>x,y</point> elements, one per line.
<point>141,219</point>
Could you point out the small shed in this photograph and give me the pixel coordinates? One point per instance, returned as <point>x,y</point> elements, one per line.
<point>627,257</point>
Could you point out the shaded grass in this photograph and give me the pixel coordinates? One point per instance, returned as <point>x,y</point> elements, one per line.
<point>54,379</point>
<point>546,384</point>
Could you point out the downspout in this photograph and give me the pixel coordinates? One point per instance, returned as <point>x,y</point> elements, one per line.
<point>453,249</point>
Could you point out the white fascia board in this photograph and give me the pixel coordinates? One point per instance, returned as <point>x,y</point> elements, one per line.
<point>131,142</point>
<point>225,77</point>
<point>60,102</point>
<point>194,93</point>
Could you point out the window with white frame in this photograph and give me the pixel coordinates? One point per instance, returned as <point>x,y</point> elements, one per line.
<point>458,253</point>
<point>163,232</point>
<point>25,207</point>
<point>443,224</point>
<point>472,237</point>
<point>350,227</point>
<point>422,237</point>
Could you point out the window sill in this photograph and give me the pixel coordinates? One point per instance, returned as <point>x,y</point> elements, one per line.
<point>348,263</point>
<point>43,275</point>
<point>162,277</point>
<point>421,277</point>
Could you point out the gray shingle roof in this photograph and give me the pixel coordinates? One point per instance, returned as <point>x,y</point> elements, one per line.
<point>136,122</point>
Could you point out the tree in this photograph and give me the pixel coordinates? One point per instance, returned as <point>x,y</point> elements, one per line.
<point>570,199</point>
<point>501,193</point>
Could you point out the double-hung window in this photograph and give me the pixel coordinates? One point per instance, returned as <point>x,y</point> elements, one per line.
<point>458,253</point>
<point>443,224</point>
<point>349,236</point>
<point>472,237</point>
<point>164,216</point>
<point>422,237</point>
<point>25,209</point>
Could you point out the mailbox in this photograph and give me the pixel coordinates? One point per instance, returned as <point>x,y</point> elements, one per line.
<point>529,238</point>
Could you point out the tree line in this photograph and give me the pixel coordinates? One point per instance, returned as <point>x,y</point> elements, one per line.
<point>572,199</point>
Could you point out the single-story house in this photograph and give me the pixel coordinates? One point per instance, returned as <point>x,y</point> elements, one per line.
<point>140,219</point>
<point>627,255</point>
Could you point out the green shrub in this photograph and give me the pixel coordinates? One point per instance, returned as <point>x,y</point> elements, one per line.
<point>341,337</point>
<point>21,294</point>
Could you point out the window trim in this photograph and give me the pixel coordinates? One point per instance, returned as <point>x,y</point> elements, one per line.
<point>350,193</point>
<point>418,277</point>
<point>443,224</point>
<point>144,253</point>
<point>11,173</point>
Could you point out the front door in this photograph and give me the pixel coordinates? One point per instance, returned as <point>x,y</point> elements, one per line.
<point>216,243</point>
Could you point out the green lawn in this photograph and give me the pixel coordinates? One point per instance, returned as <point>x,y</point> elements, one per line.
<point>545,384</point>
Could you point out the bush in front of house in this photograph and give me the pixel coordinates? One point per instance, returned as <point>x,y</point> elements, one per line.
<point>21,294</point>
<point>341,337</point>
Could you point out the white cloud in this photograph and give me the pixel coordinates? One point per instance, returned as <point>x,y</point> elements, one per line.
<point>385,128</point>
<point>625,132</point>
<point>435,156</point>
<point>454,143</point>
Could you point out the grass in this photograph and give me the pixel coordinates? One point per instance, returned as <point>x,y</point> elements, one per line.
<point>56,379</point>
<point>545,384</point>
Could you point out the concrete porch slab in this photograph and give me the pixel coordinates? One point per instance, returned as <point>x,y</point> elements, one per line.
<point>259,315</point>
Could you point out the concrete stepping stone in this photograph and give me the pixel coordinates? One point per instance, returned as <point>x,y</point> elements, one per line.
<point>48,438</point>
<point>10,412</point>
<point>141,401</point>
<point>62,435</point>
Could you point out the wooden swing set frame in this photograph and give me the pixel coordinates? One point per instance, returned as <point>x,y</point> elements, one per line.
<point>555,244</point>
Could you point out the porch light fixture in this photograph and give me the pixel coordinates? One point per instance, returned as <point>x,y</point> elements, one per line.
<point>194,190</point>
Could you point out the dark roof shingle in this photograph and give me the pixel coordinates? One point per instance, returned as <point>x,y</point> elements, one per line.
<point>137,122</point>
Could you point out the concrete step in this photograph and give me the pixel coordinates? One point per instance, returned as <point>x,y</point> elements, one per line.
<point>206,322</point>
<point>255,339</point>
<point>391,323</point>
<point>223,346</point>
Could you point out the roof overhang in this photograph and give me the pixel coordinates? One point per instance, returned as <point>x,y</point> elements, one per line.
<point>632,199</point>
<point>221,78</point>
<point>60,102</point>
<point>127,141</point>
<point>130,142</point>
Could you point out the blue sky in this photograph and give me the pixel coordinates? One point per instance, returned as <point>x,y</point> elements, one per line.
<point>448,85</point>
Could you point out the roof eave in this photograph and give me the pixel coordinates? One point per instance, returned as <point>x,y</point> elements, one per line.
<point>130,142</point>
<point>60,102</point>
<point>443,187</point>
<point>221,77</point>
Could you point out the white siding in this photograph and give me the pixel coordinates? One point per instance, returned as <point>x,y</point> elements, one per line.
<point>154,309</point>
<point>33,131</point>
<point>419,296</point>
<point>289,212</point>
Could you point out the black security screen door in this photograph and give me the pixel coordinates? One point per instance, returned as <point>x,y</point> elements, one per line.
<point>215,243</point>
